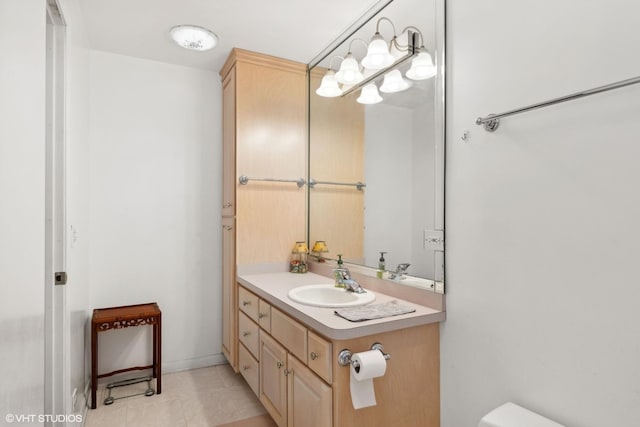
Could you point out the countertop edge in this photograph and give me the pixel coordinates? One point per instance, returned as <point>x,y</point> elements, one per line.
<point>359,329</point>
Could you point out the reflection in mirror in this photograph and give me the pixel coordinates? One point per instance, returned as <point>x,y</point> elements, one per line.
<point>376,143</point>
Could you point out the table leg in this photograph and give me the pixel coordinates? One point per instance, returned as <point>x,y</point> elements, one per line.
<point>154,350</point>
<point>159,350</point>
<point>94,364</point>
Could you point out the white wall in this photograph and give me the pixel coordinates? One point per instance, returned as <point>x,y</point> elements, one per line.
<point>542,216</point>
<point>155,173</point>
<point>22,149</point>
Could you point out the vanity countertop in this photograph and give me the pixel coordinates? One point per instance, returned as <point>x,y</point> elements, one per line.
<point>274,287</point>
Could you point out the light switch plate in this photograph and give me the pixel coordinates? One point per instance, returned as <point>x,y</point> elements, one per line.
<point>434,240</point>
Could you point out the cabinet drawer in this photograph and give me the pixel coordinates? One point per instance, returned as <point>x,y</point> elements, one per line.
<point>264,315</point>
<point>320,353</point>
<point>248,333</point>
<point>290,333</point>
<point>249,368</point>
<point>248,303</point>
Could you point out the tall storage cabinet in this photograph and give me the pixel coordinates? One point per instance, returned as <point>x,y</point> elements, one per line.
<point>264,136</point>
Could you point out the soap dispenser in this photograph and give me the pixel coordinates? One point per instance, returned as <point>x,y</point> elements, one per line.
<point>381,265</point>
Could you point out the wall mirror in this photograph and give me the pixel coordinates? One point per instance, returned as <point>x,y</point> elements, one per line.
<point>376,144</point>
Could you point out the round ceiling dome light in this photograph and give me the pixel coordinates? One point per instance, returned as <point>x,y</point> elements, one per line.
<point>193,37</point>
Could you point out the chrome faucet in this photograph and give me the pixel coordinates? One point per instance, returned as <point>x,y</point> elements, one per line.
<point>343,276</point>
<point>400,271</point>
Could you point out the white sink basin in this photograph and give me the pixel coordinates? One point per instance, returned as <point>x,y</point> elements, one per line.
<point>329,296</point>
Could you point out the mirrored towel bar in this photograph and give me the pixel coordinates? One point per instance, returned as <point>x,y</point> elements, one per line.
<point>244,180</point>
<point>359,185</point>
<point>492,121</point>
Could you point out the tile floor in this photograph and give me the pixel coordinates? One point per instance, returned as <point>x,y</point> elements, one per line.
<point>203,397</point>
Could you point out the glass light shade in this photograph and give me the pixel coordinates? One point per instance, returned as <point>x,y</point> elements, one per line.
<point>378,56</point>
<point>300,248</point>
<point>369,95</point>
<point>329,86</point>
<point>422,67</point>
<point>320,247</point>
<point>193,37</point>
<point>349,72</point>
<point>393,82</point>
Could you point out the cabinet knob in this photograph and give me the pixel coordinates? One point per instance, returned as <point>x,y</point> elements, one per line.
<point>287,372</point>
<point>227,205</point>
<point>314,355</point>
<point>227,227</point>
<point>261,315</point>
<point>245,334</point>
<point>279,365</point>
<point>246,303</point>
<point>245,367</point>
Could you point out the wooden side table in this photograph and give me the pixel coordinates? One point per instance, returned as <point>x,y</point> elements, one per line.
<point>105,319</point>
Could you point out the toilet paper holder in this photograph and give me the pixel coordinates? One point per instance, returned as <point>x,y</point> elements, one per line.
<point>344,357</point>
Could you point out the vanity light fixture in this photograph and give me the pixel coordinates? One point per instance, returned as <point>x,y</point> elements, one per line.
<point>382,59</point>
<point>329,87</point>
<point>393,82</point>
<point>422,67</point>
<point>193,37</point>
<point>369,95</point>
<point>349,72</point>
<point>378,56</point>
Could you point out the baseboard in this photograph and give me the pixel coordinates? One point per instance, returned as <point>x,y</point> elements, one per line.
<point>177,366</point>
<point>199,362</point>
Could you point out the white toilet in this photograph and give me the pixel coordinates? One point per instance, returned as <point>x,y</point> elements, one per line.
<point>512,415</point>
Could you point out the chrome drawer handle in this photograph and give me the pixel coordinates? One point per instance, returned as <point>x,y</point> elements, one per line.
<point>314,355</point>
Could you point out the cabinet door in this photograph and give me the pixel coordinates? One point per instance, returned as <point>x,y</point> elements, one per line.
<point>229,293</point>
<point>309,398</point>
<point>273,382</point>
<point>229,144</point>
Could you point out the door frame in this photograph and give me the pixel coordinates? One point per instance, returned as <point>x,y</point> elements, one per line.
<point>56,396</point>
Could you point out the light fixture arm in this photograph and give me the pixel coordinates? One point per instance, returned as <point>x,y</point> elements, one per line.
<point>384,18</point>
<point>357,39</point>
<point>331,60</point>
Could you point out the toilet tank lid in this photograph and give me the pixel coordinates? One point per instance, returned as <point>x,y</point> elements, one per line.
<point>512,415</point>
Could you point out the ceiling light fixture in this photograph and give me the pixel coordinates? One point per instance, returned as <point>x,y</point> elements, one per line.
<point>193,37</point>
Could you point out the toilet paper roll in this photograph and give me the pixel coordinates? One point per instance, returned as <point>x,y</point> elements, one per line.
<point>370,364</point>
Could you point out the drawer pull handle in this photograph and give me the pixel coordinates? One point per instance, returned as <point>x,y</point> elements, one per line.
<point>245,368</point>
<point>246,334</point>
<point>279,365</point>
<point>314,355</point>
<point>246,303</point>
<point>262,316</point>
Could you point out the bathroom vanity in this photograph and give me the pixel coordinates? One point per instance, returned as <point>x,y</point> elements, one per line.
<point>288,354</point>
